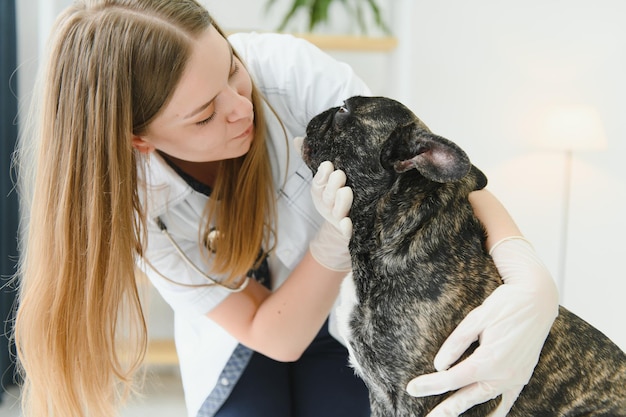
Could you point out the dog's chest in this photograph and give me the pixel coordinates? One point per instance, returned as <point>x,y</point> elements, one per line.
<point>396,308</point>
<point>348,302</point>
<point>388,333</point>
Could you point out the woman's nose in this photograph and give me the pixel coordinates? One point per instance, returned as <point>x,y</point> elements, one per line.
<point>240,106</point>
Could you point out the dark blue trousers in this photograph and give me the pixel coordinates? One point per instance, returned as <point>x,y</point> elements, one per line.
<point>319,384</point>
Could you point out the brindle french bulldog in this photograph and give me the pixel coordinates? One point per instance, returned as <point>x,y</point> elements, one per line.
<point>420,265</point>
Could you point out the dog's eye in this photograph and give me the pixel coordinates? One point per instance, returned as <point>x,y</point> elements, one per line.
<point>342,109</point>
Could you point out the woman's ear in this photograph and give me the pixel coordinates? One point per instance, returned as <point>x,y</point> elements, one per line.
<point>142,145</point>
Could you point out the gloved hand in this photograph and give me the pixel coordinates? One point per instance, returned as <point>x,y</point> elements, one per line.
<point>333,200</point>
<point>511,325</point>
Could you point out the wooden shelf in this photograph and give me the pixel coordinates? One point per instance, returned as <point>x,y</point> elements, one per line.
<point>351,43</point>
<point>347,42</point>
<point>161,352</point>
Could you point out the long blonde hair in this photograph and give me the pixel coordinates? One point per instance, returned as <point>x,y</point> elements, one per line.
<point>113,65</point>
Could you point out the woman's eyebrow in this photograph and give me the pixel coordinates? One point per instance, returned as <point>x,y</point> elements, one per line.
<point>208,103</point>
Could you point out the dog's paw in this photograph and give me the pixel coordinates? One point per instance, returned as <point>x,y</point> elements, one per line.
<point>297,142</point>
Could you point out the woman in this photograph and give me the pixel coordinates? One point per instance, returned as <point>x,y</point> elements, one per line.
<point>158,147</point>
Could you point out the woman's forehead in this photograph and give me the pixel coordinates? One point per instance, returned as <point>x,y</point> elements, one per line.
<point>205,75</point>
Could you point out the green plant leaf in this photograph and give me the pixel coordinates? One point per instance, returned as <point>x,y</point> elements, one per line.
<point>378,17</point>
<point>318,11</point>
<point>294,7</point>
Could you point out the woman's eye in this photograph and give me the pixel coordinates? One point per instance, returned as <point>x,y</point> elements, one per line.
<point>233,72</point>
<point>235,69</point>
<point>207,120</point>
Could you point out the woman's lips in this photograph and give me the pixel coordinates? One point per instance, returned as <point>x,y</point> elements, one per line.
<point>246,132</point>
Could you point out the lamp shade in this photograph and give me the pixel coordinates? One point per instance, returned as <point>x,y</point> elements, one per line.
<point>572,128</point>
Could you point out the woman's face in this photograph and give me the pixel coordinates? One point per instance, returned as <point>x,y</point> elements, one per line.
<point>210,115</point>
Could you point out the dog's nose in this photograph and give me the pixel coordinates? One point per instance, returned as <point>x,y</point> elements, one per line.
<point>342,113</point>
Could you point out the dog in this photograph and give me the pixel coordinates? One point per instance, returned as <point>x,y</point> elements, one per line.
<point>420,265</point>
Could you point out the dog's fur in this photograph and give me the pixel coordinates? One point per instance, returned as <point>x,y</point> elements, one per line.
<point>420,265</point>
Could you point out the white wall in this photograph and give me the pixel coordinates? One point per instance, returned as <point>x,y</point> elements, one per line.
<point>480,73</point>
<point>483,72</point>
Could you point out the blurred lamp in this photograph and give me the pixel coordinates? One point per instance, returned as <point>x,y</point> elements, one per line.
<point>573,128</point>
<point>570,129</point>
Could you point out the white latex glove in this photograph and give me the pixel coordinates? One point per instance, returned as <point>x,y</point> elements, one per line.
<point>511,325</point>
<point>331,197</point>
<point>330,248</point>
<point>333,200</point>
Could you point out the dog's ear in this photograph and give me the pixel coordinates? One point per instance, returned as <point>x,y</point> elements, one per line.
<point>481,178</point>
<point>436,158</point>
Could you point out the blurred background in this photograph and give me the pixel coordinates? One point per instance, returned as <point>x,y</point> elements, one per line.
<point>492,76</point>
<point>534,91</point>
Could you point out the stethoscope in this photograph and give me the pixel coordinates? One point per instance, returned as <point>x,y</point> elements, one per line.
<point>212,236</point>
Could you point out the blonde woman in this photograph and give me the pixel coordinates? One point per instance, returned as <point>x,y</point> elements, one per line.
<point>162,144</point>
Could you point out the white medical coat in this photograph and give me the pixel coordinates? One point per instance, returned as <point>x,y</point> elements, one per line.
<point>299,81</point>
